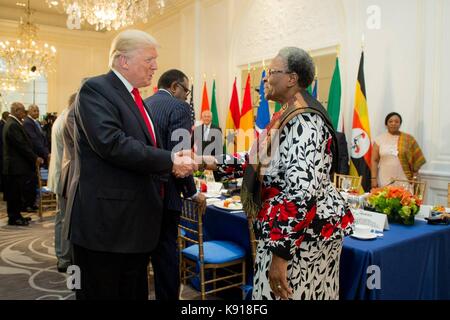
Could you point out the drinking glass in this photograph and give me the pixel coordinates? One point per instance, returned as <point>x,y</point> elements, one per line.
<point>346,184</point>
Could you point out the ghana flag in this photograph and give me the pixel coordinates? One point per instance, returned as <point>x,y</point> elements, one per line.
<point>361,146</point>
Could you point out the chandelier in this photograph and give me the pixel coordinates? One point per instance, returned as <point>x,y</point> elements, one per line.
<point>106,14</point>
<point>25,59</point>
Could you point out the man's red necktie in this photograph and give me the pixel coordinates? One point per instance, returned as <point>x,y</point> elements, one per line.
<point>140,104</point>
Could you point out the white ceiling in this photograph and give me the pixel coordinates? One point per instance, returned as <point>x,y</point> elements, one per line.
<point>42,14</point>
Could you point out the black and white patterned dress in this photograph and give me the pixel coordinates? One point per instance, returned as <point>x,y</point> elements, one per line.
<point>304,218</point>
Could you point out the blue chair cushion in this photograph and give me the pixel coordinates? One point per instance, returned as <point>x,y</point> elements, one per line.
<point>216,252</point>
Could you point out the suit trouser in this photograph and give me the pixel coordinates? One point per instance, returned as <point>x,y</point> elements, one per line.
<point>14,190</point>
<point>30,191</point>
<point>111,276</point>
<point>165,259</point>
<point>62,246</point>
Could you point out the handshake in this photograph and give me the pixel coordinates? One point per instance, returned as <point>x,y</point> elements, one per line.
<point>185,162</point>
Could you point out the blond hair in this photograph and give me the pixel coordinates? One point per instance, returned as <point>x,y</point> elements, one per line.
<point>128,41</point>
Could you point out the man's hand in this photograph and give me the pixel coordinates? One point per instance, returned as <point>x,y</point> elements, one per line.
<point>183,165</point>
<point>39,161</point>
<point>200,198</point>
<point>210,162</point>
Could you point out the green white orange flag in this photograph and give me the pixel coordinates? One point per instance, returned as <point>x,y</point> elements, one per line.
<point>361,150</point>
<point>205,101</point>
<point>246,133</point>
<point>232,124</point>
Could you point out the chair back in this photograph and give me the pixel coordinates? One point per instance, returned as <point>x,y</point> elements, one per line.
<point>190,228</point>
<point>416,187</point>
<point>448,196</point>
<point>347,183</point>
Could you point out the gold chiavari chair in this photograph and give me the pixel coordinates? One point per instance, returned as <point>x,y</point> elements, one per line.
<point>448,196</point>
<point>47,199</point>
<point>354,185</point>
<point>225,259</point>
<point>416,187</point>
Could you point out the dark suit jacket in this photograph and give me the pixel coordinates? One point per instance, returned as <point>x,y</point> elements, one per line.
<point>116,204</point>
<point>38,139</point>
<point>2,124</point>
<point>212,142</point>
<point>18,155</point>
<point>170,114</point>
<point>343,161</point>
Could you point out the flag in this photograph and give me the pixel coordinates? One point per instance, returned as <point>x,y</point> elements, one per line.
<point>277,106</point>
<point>309,89</point>
<point>361,150</point>
<point>246,127</point>
<point>232,121</point>
<point>215,115</point>
<point>205,101</point>
<point>314,92</point>
<point>191,106</point>
<point>334,99</point>
<point>263,114</point>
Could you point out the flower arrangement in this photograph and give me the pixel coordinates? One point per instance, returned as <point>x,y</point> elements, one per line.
<point>396,202</point>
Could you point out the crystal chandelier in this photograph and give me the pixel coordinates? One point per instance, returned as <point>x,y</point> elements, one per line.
<point>106,14</point>
<point>25,59</point>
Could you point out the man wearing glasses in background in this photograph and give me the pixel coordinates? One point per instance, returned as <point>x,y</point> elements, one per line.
<point>171,112</point>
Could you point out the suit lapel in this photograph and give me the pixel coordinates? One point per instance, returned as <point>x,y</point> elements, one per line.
<point>155,131</point>
<point>129,101</point>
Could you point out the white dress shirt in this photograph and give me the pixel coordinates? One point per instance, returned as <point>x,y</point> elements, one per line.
<point>130,88</point>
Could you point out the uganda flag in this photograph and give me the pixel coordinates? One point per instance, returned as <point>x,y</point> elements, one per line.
<point>361,150</point>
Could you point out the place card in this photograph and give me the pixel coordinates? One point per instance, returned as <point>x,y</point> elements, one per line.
<point>375,220</point>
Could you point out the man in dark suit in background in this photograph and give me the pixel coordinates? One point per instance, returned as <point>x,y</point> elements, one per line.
<point>19,161</point>
<point>39,143</point>
<point>170,112</point>
<point>343,161</point>
<point>116,193</point>
<point>207,138</point>
<point>2,124</point>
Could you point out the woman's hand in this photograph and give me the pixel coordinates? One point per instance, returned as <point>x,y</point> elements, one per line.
<point>373,183</point>
<point>278,277</point>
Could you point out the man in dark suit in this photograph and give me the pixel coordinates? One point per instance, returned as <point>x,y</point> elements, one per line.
<point>19,161</point>
<point>116,193</point>
<point>207,138</point>
<point>170,112</point>
<point>2,124</point>
<point>343,161</point>
<point>39,143</point>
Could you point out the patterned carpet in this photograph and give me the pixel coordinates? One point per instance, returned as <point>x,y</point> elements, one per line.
<point>28,262</point>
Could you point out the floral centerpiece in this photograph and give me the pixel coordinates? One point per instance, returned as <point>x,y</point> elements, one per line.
<point>396,202</point>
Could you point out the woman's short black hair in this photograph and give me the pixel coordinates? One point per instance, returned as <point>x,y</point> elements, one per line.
<point>390,115</point>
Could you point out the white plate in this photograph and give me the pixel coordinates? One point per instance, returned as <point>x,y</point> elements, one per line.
<point>212,195</point>
<point>236,207</point>
<point>364,236</point>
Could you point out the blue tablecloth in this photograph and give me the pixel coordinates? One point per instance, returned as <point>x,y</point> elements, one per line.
<point>220,224</point>
<point>414,261</point>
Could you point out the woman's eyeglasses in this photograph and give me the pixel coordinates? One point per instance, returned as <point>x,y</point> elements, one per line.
<point>274,71</point>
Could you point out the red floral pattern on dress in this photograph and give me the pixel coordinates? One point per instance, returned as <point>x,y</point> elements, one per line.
<point>347,219</point>
<point>327,230</point>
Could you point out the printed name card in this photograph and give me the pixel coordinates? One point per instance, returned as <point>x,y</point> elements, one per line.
<point>377,221</point>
